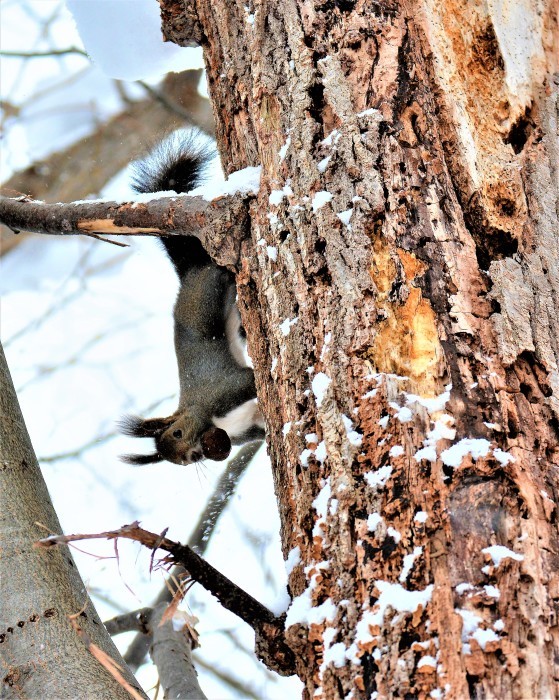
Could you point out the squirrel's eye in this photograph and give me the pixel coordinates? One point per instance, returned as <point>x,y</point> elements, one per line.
<point>177,434</point>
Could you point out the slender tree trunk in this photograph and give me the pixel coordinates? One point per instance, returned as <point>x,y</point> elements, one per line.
<point>43,655</point>
<point>399,293</point>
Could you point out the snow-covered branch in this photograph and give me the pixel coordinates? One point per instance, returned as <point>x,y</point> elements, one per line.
<point>220,224</point>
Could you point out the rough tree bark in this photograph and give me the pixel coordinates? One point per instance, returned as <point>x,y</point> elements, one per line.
<point>42,653</point>
<point>399,288</point>
<point>404,240</point>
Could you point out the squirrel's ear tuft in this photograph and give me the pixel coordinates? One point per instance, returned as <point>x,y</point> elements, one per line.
<point>140,427</point>
<point>142,459</point>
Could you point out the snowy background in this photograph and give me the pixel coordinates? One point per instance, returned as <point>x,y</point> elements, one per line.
<point>87,330</point>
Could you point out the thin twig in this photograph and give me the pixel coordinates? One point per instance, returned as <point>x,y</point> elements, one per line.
<point>44,54</point>
<point>107,240</point>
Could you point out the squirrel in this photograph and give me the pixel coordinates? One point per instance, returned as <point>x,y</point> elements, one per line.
<point>217,401</point>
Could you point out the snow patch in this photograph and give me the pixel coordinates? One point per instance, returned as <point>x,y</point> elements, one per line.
<point>379,478</point>
<point>320,384</point>
<point>355,438</point>
<point>283,150</point>
<point>246,181</point>
<point>409,561</point>
<point>498,553</point>
<point>476,447</point>
<point>277,196</point>
<point>373,521</point>
<point>285,326</point>
<point>293,559</point>
<point>123,37</point>
<point>320,199</point>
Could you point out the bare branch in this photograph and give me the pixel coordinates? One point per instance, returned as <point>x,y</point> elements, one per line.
<point>229,594</point>
<point>44,54</point>
<point>200,536</point>
<point>135,621</point>
<point>220,225</point>
<point>171,651</point>
<point>269,629</point>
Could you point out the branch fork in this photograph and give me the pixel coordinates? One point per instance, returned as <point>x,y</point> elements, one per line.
<point>269,629</point>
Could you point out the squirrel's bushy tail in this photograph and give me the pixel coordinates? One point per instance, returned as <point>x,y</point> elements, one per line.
<point>177,163</point>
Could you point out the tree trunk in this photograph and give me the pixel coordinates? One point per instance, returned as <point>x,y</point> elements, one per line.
<point>399,293</point>
<point>43,654</point>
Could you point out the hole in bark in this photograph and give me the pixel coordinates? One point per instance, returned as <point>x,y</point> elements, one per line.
<point>316,95</point>
<point>320,246</point>
<point>407,639</point>
<point>491,243</point>
<point>496,246</point>
<point>507,206</point>
<point>472,686</point>
<point>283,236</point>
<point>388,546</point>
<point>21,623</point>
<point>528,392</point>
<point>370,669</point>
<point>520,132</point>
<point>512,425</point>
<point>344,5</point>
<point>2,638</point>
<point>495,306</point>
<point>448,472</point>
<point>50,612</point>
<point>485,48</point>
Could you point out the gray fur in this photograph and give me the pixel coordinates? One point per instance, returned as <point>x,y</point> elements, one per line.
<point>212,380</point>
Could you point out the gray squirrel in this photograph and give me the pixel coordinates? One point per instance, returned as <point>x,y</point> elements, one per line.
<point>217,405</point>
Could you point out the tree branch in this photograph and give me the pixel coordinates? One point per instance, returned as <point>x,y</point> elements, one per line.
<point>269,629</point>
<point>44,54</point>
<point>200,537</point>
<point>135,621</point>
<point>220,225</point>
<point>171,651</point>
